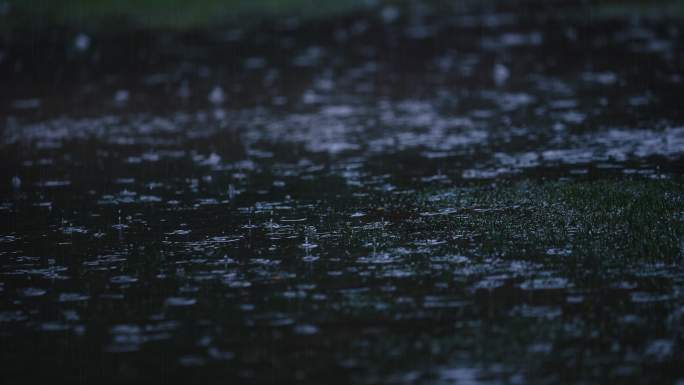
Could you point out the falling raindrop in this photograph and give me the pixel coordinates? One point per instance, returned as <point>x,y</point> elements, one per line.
<point>500,74</point>
<point>217,96</point>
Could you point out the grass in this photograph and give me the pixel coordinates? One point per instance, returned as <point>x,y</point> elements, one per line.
<point>607,223</point>
<point>198,14</point>
<point>175,14</point>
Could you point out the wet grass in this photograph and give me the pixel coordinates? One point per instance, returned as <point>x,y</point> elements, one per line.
<point>201,14</point>
<point>175,15</point>
<point>607,223</point>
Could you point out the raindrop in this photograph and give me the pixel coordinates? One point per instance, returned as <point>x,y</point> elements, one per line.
<point>389,14</point>
<point>121,96</point>
<point>306,329</point>
<point>308,245</point>
<point>180,301</point>
<point>217,96</point>
<point>16,183</point>
<point>500,74</point>
<point>82,42</point>
<point>32,292</point>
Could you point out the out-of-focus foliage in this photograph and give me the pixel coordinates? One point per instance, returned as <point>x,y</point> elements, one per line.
<point>177,14</point>
<point>174,13</point>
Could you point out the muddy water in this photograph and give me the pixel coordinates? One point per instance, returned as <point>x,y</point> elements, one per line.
<point>242,205</point>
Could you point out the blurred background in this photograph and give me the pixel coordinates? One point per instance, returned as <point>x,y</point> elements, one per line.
<point>51,49</point>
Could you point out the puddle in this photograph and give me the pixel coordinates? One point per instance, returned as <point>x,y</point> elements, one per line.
<point>331,202</point>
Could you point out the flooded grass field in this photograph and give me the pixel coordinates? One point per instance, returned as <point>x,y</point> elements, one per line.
<point>390,192</point>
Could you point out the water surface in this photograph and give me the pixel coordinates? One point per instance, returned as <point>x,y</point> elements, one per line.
<point>301,201</point>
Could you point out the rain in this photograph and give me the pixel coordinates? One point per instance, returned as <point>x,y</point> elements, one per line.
<point>363,192</point>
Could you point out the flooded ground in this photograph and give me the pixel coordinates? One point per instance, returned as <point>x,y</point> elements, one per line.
<point>412,193</point>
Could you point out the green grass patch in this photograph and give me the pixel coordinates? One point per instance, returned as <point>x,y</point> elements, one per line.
<point>607,222</point>
<point>173,14</point>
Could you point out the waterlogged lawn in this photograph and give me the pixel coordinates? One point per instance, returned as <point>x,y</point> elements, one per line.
<point>601,223</point>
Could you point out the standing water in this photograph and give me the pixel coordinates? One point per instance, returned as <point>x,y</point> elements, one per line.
<point>399,192</point>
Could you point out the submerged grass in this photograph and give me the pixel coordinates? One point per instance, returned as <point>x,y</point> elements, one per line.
<point>606,222</point>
